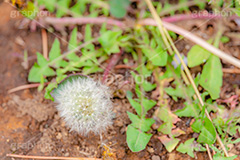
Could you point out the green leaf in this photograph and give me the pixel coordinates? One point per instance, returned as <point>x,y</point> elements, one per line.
<point>143,70</point>
<point>50,5</point>
<point>224,39</point>
<point>136,139</point>
<point>141,123</point>
<point>53,85</point>
<point>165,114</point>
<point>158,56</point>
<point>197,125</point>
<point>55,52</point>
<point>208,133</point>
<point>109,42</point>
<point>88,37</point>
<point>148,86</point>
<point>166,128</point>
<point>41,60</point>
<point>183,7</point>
<point>173,35</point>
<point>179,91</point>
<point>39,69</point>
<point>91,69</point>
<point>72,44</point>
<point>187,147</point>
<point>148,104</point>
<point>30,11</point>
<point>190,110</point>
<point>169,73</point>
<point>235,141</point>
<point>62,6</point>
<point>41,86</point>
<point>168,7</point>
<point>136,106</point>
<point>118,8</point>
<point>48,90</point>
<point>169,143</point>
<point>218,156</point>
<point>197,55</point>
<point>211,78</point>
<point>88,33</point>
<point>200,4</point>
<point>79,8</point>
<point>175,92</point>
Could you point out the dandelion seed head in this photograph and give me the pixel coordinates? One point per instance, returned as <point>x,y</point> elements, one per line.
<point>84,104</point>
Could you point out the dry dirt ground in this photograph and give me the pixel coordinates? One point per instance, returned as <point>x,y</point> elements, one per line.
<point>30,125</point>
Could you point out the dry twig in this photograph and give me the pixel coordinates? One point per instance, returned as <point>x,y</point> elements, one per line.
<point>45,44</point>
<point>47,157</point>
<point>27,86</point>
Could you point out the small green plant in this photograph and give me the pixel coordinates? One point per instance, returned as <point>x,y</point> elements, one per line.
<point>59,64</point>
<point>211,78</point>
<point>189,146</point>
<point>75,8</point>
<point>118,8</point>
<point>89,61</point>
<point>137,136</point>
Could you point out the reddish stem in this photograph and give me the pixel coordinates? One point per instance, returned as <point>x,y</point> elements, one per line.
<point>27,86</point>
<point>83,20</point>
<point>182,17</point>
<point>113,61</point>
<point>121,24</point>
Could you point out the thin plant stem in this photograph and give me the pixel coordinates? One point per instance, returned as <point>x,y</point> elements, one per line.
<point>27,86</point>
<point>45,44</point>
<point>231,70</point>
<point>204,44</point>
<point>141,87</point>
<point>82,20</point>
<point>48,157</point>
<point>209,153</point>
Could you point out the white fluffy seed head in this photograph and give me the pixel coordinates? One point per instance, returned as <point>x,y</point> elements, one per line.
<point>84,104</point>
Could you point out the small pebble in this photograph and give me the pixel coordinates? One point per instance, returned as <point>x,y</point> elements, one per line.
<point>119,123</point>
<point>59,136</point>
<point>150,149</point>
<point>66,154</point>
<point>154,157</point>
<point>122,130</point>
